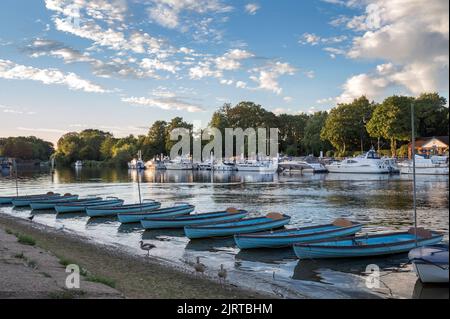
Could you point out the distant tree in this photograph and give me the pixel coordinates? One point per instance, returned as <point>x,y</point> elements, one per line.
<point>155,141</point>
<point>432,115</point>
<point>291,132</point>
<point>26,148</point>
<point>312,142</point>
<point>176,122</point>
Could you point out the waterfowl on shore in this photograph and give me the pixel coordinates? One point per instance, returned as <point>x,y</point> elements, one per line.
<point>199,267</point>
<point>222,274</point>
<point>147,247</point>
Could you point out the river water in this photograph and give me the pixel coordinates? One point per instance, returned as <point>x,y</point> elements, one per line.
<point>381,202</point>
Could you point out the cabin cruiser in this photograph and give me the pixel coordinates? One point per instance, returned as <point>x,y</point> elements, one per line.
<point>369,163</point>
<point>225,166</point>
<point>268,167</point>
<point>303,166</point>
<point>179,163</point>
<point>436,165</point>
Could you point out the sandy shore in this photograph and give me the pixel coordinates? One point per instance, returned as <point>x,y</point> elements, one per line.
<point>38,271</point>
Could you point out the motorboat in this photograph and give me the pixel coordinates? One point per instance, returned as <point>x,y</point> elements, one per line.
<point>368,163</point>
<point>137,163</point>
<point>435,165</point>
<point>225,166</point>
<point>179,163</point>
<point>78,164</point>
<point>267,167</point>
<point>430,263</point>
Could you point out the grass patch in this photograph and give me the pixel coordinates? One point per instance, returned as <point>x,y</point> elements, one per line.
<point>19,256</point>
<point>65,261</point>
<point>9,231</point>
<point>25,240</point>
<point>102,280</point>
<point>66,294</point>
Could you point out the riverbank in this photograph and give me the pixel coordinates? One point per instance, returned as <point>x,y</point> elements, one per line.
<point>33,259</point>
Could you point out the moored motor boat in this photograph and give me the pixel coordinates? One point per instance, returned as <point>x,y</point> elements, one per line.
<point>230,214</point>
<point>26,201</point>
<point>9,199</point>
<point>248,225</point>
<point>369,163</point>
<point>430,263</point>
<point>178,210</point>
<point>51,203</point>
<point>366,246</point>
<point>130,208</point>
<point>81,207</point>
<point>284,238</point>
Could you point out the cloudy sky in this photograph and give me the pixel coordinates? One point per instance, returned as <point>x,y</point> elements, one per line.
<point>119,65</point>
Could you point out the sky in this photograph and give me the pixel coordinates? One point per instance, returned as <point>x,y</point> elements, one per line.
<point>120,65</point>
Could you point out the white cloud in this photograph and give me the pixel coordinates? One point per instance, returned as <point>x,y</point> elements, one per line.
<point>412,40</point>
<point>252,8</point>
<point>288,99</point>
<point>313,39</point>
<point>13,71</point>
<point>44,130</point>
<point>267,78</point>
<point>165,103</point>
<point>231,59</point>
<point>241,84</point>
<point>203,70</point>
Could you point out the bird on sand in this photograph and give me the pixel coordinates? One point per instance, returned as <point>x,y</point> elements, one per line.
<point>147,247</point>
<point>30,218</point>
<point>199,267</point>
<point>222,274</point>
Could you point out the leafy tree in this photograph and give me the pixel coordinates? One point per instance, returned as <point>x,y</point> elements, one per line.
<point>176,122</point>
<point>312,141</point>
<point>26,148</point>
<point>432,115</point>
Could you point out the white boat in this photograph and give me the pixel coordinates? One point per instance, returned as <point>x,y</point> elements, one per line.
<point>369,163</point>
<point>436,165</point>
<point>430,263</point>
<point>155,164</point>
<point>224,166</point>
<point>136,164</point>
<point>179,163</point>
<point>205,166</point>
<point>303,166</point>
<point>78,164</point>
<point>267,167</point>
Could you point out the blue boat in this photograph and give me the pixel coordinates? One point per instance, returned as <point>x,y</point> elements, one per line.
<point>51,203</point>
<point>26,201</point>
<point>193,220</point>
<point>367,246</point>
<point>288,237</point>
<point>248,225</point>
<point>113,211</point>
<point>179,210</point>
<point>81,207</point>
<point>9,199</point>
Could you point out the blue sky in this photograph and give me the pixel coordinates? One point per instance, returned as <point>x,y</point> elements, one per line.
<point>119,65</point>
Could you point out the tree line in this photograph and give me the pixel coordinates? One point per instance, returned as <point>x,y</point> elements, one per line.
<point>346,129</point>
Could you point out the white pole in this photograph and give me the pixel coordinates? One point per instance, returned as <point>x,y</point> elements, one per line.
<point>413,153</point>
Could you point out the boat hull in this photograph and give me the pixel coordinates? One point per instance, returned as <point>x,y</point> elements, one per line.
<point>218,230</point>
<point>386,244</point>
<point>18,202</point>
<point>424,170</point>
<point>67,208</point>
<point>357,170</point>
<point>113,211</point>
<point>191,220</point>
<point>431,263</point>
<point>161,213</point>
<point>50,204</point>
<point>431,274</point>
<point>294,236</point>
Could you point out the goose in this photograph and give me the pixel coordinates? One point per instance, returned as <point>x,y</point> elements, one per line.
<point>30,218</point>
<point>222,274</point>
<point>199,267</point>
<point>147,247</point>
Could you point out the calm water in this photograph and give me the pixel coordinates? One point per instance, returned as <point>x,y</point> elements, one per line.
<point>382,203</point>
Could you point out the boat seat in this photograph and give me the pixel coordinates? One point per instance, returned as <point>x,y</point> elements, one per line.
<point>50,193</point>
<point>421,232</point>
<point>274,216</point>
<point>231,210</point>
<point>342,222</point>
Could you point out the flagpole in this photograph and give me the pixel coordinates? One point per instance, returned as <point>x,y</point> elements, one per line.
<point>413,153</point>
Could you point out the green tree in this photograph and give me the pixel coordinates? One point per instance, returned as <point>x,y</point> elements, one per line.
<point>176,122</point>
<point>432,115</point>
<point>312,142</point>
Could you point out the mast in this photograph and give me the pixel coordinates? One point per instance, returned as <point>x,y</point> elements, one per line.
<point>138,177</point>
<point>17,183</point>
<point>413,154</point>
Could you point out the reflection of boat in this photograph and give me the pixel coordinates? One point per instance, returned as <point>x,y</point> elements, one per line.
<point>369,163</point>
<point>248,225</point>
<point>155,164</point>
<point>268,167</point>
<point>284,238</point>
<point>435,165</point>
<point>178,210</point>
<point>366,246</point>
<point>193,220</point>
<point>268,256</point>
<point>81,207</point>
<point>130,208</point>
<point>431,263</point>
